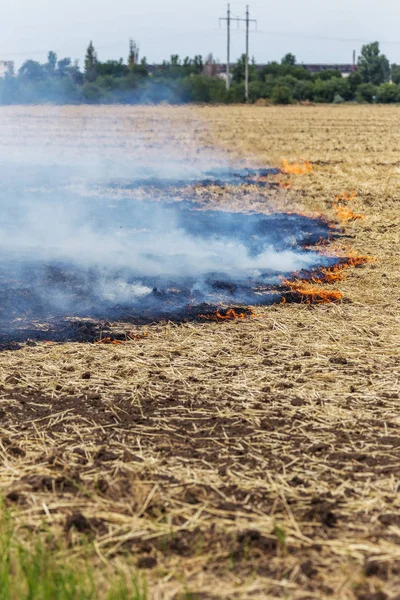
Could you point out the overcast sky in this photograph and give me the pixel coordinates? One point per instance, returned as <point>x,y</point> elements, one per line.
<point>314,30</point>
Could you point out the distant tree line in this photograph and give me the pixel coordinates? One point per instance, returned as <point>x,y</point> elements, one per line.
<point>178,80</point>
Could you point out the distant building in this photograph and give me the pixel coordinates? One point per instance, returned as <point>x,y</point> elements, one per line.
<point>312,68</point>
<point>6,66</point>
<point>212,67</point>
<point>318,68</point>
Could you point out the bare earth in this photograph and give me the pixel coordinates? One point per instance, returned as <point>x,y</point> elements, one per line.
<point>251,459</point>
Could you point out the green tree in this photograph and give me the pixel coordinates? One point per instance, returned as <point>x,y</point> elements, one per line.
<point>115,68</point>
<point>338,99</point>
<point>141,70</point>
<point>354,80</point>
<point>197,64</point>
<point>63,67</point>
<point>278,70</point>
<point>106,82</point>
<point>325,91</point>
<point>133,58</point>
<point>202,88</point>
<point>31,70</point>
<point>395,73</point>
<point>328,74</point>
<point>256,91</point>
<point>75,73</point>
<point>289,59</point>
<point>388,93</point>
<point>239,70</point>
<point>92,93</point>
<point>282,94</point>
<point>366,92</point>
<point>273,68</point>
<point>236,93</point>
<point>51,64</point>
<point>303,90</point>
<point>10,73</point>
<point>90,63</point>
<point>268,86</point>
<point>372,65</point>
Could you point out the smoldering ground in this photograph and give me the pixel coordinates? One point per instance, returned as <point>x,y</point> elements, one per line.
<point>70,251</point>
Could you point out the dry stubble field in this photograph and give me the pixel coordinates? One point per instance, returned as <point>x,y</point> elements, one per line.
<point>251,459</point>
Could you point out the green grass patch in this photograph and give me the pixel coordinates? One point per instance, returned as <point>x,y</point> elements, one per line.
<point>38,567</point>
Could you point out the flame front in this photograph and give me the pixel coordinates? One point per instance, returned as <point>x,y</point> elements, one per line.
<point>343,212</point>
<point>299,168</point>
<point>310,294</point>
<point>229,314</point>
<point>306,288</point>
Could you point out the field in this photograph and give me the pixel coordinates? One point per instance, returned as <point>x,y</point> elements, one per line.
<point>255,458</point>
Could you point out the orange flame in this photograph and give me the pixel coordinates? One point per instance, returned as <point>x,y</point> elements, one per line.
<point>346,214</point>
<point>355,260</point>
<point>310,294</point>
<point>329,275</point>
<point>286,185</point>
<point>229,314</point>
<point>347,257</point>
<point>336,272</point>
<point>136,336</point>
<point>306,288</point>
<point>108,340</point>
<point>346,197</point>
<point>300,168</point>
<point>343,212</point>
<point>129,336</point>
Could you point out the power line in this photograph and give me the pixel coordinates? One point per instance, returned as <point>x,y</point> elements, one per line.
<point>323,38</point>
<point>25,53</point>
<point>238,20</point>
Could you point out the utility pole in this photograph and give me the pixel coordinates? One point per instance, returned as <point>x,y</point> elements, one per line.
<point>229,20</point>
<point>228,40</point>
<point>246,65</point>
<point>228,50</point>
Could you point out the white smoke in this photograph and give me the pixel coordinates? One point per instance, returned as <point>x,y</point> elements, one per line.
<point>44,223</point>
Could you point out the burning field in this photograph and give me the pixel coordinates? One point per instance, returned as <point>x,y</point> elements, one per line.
<point>199,330</point>
<point>75,256</point>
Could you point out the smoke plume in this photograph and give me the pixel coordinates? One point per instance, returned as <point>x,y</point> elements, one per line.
<point>71,247</point>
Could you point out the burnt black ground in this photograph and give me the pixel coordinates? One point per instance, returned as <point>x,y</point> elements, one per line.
<point>44,297</point>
